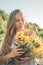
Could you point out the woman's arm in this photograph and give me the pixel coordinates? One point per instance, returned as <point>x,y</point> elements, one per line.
<point>5,58</point>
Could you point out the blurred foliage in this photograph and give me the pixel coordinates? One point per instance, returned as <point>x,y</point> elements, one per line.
<point>3,21</point>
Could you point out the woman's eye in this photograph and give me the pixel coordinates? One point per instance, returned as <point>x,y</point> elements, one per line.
<point>22,20</point>
<point>17,20</point>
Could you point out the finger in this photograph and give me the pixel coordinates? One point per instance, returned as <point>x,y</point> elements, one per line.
<point>20,52</point>
<point>26,58</point>
<point>20,49</point>
<point>19,62</point>
<point>23,58</point>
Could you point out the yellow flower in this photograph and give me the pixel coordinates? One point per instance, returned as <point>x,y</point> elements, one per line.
<point>19,34</point>
<point>38,48</point>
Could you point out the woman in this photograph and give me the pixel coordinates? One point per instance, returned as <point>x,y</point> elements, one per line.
<point>15,23</point>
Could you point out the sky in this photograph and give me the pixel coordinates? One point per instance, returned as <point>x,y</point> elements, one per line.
<point>32,9</point>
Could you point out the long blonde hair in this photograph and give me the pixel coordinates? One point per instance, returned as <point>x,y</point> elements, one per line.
<point>11,30</point>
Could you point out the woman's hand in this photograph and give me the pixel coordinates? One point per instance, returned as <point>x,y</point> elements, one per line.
<point>16,52</point>
<point>23,60</point>
<point>26,59</point>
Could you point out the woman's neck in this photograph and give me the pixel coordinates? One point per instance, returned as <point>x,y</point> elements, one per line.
<point>19,29</point>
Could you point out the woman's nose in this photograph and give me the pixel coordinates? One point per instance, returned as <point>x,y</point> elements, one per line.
<point>20,22</point>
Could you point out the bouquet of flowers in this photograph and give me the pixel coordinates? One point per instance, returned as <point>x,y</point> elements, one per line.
<point>32,45</point>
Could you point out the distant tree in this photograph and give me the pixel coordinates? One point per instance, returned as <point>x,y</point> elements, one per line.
<point>3,15</point>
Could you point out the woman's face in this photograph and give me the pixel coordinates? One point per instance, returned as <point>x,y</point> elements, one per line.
<point>19,21</point>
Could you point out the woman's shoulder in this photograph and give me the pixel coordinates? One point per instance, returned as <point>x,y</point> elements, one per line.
<point>29,31</point>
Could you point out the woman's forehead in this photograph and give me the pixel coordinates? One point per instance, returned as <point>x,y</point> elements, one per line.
<point>19,15</point>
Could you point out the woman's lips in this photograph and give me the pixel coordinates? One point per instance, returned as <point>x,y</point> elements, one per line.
<point>20,26</point>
